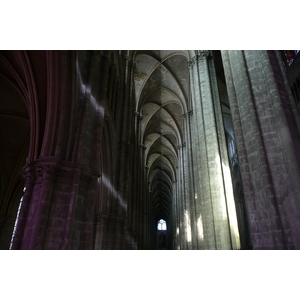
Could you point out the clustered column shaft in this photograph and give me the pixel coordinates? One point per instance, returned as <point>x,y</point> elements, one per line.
<point>265,126</point>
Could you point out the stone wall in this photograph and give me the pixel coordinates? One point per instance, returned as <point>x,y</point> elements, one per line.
<point>267,136</point>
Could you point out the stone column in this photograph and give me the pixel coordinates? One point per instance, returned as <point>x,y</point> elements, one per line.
<point>194,145</point>
<point>144,201</point>
<point>109,234</point>
<point>186,194</point>
<point>215,186</point>
<point>181,201</point>
<point>146,207</point>
<point>196,224</point>
<point>267,135</point>
<point>188,183</point>
<point>172,226</point>
<point>63,160</point>
<point>58,206</point>
<point>176,206</point>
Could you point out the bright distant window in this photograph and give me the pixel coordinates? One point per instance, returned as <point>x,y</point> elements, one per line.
<point>161,225</point>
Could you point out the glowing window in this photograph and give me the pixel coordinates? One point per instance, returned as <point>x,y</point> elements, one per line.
<point>161,225</point>
<point>16,222</point>
<point>231,148</point>
<point>288,56</point>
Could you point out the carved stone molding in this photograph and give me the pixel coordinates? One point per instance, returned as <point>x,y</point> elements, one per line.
<point>204,53</point>
<point>37,171</point>
<point>188,114</point>
<point>45,172</point>
<point>201,55</point>
<point>192,62</point>
<point>29,173</point>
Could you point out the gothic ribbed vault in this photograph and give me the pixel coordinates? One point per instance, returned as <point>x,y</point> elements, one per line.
<point>162,93</point>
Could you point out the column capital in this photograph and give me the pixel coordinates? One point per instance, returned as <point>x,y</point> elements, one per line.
<point>29,173</point>
<point>47,168</point>
<point>202,54</point>
<point>138,115</point>
<point>192,62</point>
<point>188,114</point>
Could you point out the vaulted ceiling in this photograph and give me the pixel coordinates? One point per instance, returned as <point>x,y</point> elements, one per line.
<point>14,138</point>
<point>162,93</point>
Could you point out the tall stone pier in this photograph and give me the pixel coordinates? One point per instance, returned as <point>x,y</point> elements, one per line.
<point>266,128</point>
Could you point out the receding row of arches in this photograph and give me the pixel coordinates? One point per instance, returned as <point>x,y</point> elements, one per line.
<point>162,96</point>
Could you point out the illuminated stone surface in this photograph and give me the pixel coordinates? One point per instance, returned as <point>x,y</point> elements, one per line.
<point>110,142</point>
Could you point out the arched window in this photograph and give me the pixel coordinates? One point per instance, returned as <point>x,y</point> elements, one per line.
<point>161,225</point>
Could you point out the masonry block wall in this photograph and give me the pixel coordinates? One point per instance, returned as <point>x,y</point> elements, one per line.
<point>267,134</point>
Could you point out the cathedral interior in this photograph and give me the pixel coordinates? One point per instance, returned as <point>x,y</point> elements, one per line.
<point>150,150</point>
